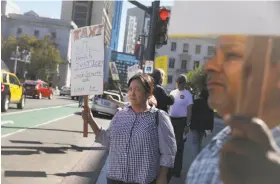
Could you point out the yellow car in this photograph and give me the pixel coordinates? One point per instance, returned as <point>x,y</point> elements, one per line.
<point>11,91</point>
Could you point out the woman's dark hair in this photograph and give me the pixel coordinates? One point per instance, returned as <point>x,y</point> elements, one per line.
<point>146,81</point>
<point>157,76</point>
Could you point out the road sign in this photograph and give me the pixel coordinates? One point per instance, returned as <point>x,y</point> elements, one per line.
<point>162,63</point>
<point>149,67</point>
<point>114,71</point>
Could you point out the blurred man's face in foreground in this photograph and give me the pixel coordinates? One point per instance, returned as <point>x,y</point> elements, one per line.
<point>224,73</point>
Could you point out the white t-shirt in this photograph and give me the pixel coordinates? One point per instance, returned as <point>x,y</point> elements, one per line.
<point>182,99</point>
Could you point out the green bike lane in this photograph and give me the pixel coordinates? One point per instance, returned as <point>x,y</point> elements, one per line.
<point>15,122</point>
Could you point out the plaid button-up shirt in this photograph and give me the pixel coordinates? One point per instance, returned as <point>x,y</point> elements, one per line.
<point>205,168</point>
<point>138,146</point>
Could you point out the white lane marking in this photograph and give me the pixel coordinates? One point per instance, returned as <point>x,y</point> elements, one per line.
<point>51,121</point>
<point>7,122</point>
<point>43,108</point>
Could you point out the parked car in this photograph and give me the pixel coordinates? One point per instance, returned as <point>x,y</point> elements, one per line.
<point>65,90</point>
<point>102,105</point>
<point>38,89</point>
<point>74,97</point>
<point>11,91</point>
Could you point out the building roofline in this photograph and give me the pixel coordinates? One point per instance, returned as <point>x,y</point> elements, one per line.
<point>44,20</point>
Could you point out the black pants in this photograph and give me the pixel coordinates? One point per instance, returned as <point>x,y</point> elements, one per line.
<point>110,181</point>
<point>178,126</point>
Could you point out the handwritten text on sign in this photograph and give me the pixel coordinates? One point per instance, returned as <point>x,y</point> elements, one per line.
<point>87,60</point>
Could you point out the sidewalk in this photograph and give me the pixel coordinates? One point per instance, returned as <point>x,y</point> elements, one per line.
<point>218,126</point>
<point>55,152</point>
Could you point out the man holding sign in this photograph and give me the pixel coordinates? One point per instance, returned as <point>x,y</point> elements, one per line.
<point>247,151</point>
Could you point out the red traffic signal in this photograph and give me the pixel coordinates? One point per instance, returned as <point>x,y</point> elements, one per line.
<point>163,14</point>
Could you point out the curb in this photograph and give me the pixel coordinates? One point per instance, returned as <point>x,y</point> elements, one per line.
<point>88,168</point>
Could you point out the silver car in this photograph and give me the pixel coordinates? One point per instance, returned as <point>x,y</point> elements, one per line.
<point>101,104</point>
<point>65,90</point>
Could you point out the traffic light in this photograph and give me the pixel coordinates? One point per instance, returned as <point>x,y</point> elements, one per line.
<point>162,25</point>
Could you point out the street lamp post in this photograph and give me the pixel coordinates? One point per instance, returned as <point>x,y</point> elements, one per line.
<point>18,57</point>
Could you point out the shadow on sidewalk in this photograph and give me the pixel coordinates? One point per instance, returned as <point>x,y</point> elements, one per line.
<point>46,129</point>
<point>32,174</point>
<point>25,174</point>
<point>29,150</point>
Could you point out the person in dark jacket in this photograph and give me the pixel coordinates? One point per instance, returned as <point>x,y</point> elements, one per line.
<point>162,97</point>
<point>202,120</point>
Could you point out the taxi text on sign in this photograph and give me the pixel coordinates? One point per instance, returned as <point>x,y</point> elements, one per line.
<point>87,60</point>
<point>191,18</point>
<point>162,63</point>
<point>114,71</point>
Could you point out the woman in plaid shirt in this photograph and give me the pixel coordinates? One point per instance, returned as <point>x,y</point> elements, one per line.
<point>140,138</point>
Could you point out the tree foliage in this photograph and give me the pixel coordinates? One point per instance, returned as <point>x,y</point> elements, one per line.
<point>196,80</point>
<point>45,57</point>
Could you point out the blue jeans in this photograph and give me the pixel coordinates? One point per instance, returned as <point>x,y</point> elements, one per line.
<point>81,98</point>
<point>196,142</point>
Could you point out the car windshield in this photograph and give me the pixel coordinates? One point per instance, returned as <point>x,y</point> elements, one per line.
<point>30,84</point>
<point>4,77</point>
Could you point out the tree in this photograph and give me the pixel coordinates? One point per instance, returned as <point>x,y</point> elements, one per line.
<point>196,80</point>
<point>45,57</point>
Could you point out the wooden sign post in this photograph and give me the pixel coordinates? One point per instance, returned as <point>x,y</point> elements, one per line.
<point>86,107</point>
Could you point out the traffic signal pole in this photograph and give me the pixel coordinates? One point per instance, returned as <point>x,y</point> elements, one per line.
<point>153,11</point>
<point>152,30</point>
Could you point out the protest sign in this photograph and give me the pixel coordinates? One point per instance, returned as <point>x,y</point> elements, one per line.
<point>87,63</point>
<point>87,60</point>
<point>162,63</point>
<point>132,70</point>
<point>227,18</point>
<point>114,71</point>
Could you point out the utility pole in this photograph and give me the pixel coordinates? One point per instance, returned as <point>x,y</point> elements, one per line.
<point>16,58</point>
<point>152,31</point>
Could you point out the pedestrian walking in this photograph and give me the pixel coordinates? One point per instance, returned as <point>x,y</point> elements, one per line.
<point>140,138</point>
<point>180,114</point>
<point>81,100</point>
<point>164,100</point>
<point>202,120</point>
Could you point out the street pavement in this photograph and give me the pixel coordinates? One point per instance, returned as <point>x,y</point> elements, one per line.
<point>218,126</point>
<point>45,144</point>
<point>31,103</point>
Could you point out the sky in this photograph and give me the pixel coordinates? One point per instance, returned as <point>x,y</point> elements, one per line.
<point>52,9</point>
